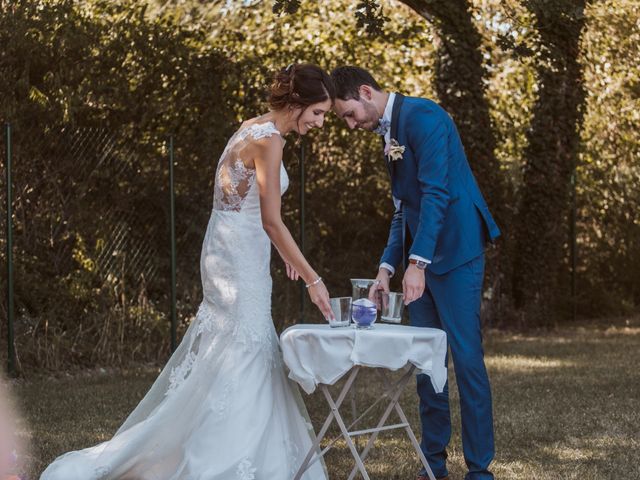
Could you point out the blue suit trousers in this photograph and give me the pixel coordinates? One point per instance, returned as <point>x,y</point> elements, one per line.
<point>451,302</point>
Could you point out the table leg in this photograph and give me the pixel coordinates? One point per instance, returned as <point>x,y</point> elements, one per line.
<point>345,434</point>
<point>315,447</point>
<point>387,394</point>
<point>393,402</point>
<point>354,411</point>
<point>410,434</point>
<point>395,390</point>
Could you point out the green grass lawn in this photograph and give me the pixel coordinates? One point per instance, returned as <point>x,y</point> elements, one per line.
<point>566,403</point>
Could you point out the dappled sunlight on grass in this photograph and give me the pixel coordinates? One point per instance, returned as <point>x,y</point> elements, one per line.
<point>597,332</point>
<point>499,337</point>
<point>519,363</point>
<point>567,453</point>
<point>622,331</point>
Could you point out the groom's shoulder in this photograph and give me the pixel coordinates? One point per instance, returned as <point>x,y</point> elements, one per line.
<point>424,107</point>
<point>417,105</point>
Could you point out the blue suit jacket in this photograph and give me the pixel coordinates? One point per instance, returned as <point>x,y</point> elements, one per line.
<point>441,204</point>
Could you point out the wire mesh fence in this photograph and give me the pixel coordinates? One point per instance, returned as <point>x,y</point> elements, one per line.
<point>90,246</point>
<point>93,255</point>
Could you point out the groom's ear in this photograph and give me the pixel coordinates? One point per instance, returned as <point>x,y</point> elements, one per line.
<point>365,91</point>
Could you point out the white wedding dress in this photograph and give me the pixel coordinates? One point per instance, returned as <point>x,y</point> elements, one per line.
<point>223,407</point>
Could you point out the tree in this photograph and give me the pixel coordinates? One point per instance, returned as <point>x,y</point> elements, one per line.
<point>542,227</point>
<point>460,82</point>
<point>459,77</point>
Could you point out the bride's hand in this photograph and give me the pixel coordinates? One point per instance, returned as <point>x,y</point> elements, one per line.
<point>320,297</point>
<point>291,272</point>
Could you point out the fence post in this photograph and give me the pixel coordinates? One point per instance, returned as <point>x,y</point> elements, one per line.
<point>10,334</point>
<point>174,323</point>
<point>573,245</point>
<point>303,293</point>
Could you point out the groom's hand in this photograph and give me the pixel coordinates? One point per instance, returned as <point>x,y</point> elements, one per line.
<point>381,283</point>
<point>412,284</point>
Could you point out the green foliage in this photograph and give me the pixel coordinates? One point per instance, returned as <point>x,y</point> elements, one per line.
<point>286,6</point>
<point>369,14</point>
<point>105,64</point>
<point>608,174</point>
<point>370,17</point>
<point>535,87</point>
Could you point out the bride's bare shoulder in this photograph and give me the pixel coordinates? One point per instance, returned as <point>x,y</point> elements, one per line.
<point>252,121</point>
<point>268,146</point>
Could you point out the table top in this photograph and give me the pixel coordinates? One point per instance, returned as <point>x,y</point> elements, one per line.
<point>318,353</point>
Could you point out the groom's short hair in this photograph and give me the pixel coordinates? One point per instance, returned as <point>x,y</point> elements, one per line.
<point>348,81</point>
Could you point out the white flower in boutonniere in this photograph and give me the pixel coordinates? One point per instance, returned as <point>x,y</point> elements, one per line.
<point>394,150</point>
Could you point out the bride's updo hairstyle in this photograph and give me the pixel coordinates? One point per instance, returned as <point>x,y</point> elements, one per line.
<point>300,85</point>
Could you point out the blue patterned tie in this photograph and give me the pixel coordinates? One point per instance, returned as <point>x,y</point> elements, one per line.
<point>383,127</point>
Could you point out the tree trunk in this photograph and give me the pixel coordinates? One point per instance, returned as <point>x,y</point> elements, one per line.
<point>540,282</point>
<point>459,82</point>
<point>460,86</point>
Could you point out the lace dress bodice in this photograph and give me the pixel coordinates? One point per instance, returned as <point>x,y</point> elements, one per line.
<point>236,175</point>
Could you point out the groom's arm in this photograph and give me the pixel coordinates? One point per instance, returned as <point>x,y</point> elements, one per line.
<point>392,255</point>
<point>428,138</point>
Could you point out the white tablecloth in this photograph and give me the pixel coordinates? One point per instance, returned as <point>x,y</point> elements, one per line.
<point>321,354</point>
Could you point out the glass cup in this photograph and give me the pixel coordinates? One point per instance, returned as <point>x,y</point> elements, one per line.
<point>360,287</point>
<point>364,313</point>
<point>391,305</point>
<point>341,308</point>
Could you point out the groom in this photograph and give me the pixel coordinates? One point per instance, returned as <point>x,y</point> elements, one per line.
<point>443,218</point>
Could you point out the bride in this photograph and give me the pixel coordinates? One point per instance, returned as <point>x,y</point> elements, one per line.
<point>223,408</point>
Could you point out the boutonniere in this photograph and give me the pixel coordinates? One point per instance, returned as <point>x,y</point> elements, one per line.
<point>394,150</point>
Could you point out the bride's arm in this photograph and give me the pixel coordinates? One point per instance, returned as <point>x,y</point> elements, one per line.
<point>268,159</point>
